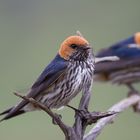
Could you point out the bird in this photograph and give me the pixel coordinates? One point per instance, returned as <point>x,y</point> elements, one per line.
<point>125,70</point>
<point>70,72</point>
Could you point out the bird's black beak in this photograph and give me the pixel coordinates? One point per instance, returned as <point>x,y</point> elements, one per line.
<point>87,47</point>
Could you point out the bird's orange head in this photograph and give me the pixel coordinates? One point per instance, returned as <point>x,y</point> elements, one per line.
<point>72,45</point>
<point>137,38</point>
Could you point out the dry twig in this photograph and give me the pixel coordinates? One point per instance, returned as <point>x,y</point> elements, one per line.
<point>71,133</point>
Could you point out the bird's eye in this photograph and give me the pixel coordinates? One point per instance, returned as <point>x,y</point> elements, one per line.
<point>74,46</point>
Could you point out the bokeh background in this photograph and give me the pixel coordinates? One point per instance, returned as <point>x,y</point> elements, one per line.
<point>30,34</point>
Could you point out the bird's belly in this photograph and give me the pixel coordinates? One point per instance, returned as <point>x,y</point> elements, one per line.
<point>64,91</point>
<point>78,76</point>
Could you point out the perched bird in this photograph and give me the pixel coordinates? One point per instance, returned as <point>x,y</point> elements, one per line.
<point>70,72</point>
<point>126,70</point>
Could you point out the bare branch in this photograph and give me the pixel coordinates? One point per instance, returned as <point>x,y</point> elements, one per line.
<point>119,107</point>
<point>71,133</point>
<point>85,118</point>
<point>56,118</point>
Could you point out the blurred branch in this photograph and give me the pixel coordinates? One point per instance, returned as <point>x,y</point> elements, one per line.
<point>134,99</point>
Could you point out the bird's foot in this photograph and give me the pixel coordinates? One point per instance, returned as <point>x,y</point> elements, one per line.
<point>135,107</point>
<point>133,91</point>
<point>78,111</point>
<point>91,117</point>
<point>57,116</point>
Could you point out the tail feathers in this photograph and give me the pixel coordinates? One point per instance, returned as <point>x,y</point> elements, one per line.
<point>6,111</point>
<point>10,115</point>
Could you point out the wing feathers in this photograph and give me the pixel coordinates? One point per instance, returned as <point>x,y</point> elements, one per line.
<point>51,73</point>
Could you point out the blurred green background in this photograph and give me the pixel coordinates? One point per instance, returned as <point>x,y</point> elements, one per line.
<point>30,34</point>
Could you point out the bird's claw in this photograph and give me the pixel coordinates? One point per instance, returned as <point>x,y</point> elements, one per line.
<point>132,92</point>
<point>136,107</point>
<point>93,117</point>
<point>79,112</point>
<point>56,116</point>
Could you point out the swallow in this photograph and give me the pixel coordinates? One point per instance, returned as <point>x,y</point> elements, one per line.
<point>125,70</point>
<point>69,73</point>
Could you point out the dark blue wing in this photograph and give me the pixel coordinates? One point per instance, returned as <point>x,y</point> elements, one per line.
<point>127,52</point>
<point>122,52</point>
<point>127,41</point>
<point>121,49</point>
<point>52,72</point>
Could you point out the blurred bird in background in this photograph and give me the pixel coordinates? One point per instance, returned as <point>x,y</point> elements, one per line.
<point>70,72</point>
<point>126,70</point>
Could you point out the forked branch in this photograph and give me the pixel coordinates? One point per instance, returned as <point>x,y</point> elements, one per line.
<point>82,117</point>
